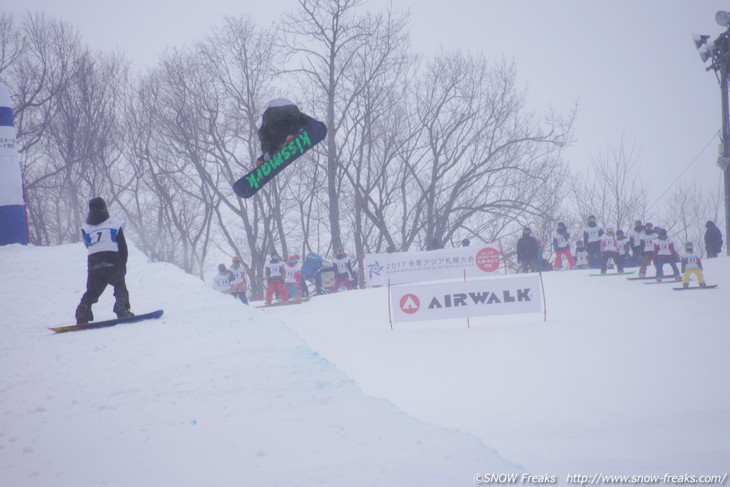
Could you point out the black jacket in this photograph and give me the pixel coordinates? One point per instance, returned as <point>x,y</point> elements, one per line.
<point>713,238</point>
<point>527,248</point>
<point>277,123</point>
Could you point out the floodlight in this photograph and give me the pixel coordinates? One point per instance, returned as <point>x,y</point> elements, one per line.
<point>704,53</point>
<point>699,40</point>
<point>722,18</point>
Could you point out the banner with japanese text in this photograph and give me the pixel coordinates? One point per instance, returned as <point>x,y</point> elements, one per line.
<point>461,299</point>
<point>432,265</point>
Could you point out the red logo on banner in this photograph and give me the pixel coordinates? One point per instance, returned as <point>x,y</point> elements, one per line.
<point>409,303</point>
<point>488,259</point>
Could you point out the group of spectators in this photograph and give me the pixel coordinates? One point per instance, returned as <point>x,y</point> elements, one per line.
<point>644,244</point>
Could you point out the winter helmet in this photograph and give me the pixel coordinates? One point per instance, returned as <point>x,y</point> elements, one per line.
<point>662,232</point>
<point>292,259</point>
<point>222,268</point>
<point>689,246</point>
<point>592,219</point>
<point>637,223</point>
<point>609,227</point>
<point>97,203</point>
<point>561,224</point>
<point>619,233</point>
<point>526,231</point>
<point>237,260</point>
<point>648,226</point>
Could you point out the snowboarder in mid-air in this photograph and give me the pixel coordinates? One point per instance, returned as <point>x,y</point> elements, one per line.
<point>280,121</point>
<point>106,261</point>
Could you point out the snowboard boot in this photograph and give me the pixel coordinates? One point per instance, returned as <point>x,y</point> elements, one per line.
<point>686,285</point>
<point>84,314</point>
<point>121,308</point>
<point>702,284</point>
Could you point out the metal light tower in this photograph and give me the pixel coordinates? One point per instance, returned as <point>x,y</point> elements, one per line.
<point>718,51</point>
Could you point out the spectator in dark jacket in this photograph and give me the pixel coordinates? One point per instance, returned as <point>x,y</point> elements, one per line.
<point>713,240</point>
<point>527,250</point>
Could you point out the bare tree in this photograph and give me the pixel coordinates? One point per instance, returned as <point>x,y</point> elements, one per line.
<point>612,189</point>
<point>325,37</point>
<point>480,160</point>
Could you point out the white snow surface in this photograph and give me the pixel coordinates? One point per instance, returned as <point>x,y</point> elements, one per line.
<point>623,378</point>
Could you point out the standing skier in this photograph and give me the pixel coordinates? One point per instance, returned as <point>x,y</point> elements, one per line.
<point>527,249</point>
<point>281,119</point>
<point>561,245</point>
<point>664,253</point>
<point>592,239</point>
<point>106,262</point>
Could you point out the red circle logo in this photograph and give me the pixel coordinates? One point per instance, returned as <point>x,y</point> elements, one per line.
<point>409,303</point>
<point>488,259</point>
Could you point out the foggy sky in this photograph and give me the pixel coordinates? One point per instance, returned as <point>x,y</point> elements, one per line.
<point>630,65</point>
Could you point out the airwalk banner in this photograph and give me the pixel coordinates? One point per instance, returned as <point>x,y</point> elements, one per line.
<point>13,227</point>
<point>432,265</point>
<point>447,300</point>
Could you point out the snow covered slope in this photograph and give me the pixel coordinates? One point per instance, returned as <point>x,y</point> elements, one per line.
<point>624,378</point>
<point>213,394</point>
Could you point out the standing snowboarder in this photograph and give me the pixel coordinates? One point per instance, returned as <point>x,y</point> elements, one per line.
<point>238,284</point>
<point>581,256</point>
<point>222,280</point>
<point>647,248</point>
<point>592,239</point>
<point>527,249</point>
<point>610,250</point>
<point>106,261</point>
<point>275,276</point>
<point>561,246</point>
<point>343,271</point>
<point>281,119</point>
<point>293,277</point>
<point>691,264</point>
<point>664,253</point>
<point>713,239</point>
<point>623,247</point>
<point>634,237</point>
